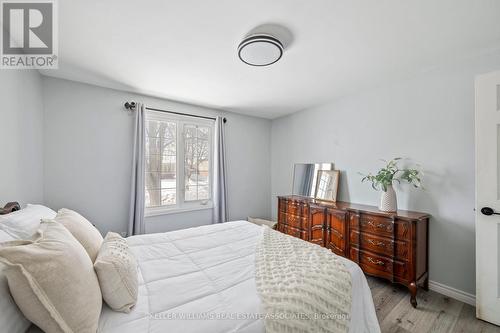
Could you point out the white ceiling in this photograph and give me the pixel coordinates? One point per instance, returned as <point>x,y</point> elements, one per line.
<point>186,50</point>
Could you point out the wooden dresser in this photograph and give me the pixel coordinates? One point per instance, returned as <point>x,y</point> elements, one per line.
<point>393,246</point>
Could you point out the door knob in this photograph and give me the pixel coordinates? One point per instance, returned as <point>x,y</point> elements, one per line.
<point>488,211</point>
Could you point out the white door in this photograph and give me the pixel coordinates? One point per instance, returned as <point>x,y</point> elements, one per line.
<point>488,197</point>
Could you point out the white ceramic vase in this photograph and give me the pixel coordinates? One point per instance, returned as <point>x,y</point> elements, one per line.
<point>388,200</point>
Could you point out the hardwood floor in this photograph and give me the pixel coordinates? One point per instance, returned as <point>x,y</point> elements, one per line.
<point>434,313</point>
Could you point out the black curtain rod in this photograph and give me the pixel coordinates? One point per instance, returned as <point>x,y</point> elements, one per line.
<point>131,106</point>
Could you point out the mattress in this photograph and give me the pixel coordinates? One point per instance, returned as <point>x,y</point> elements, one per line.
<point>202,280</point>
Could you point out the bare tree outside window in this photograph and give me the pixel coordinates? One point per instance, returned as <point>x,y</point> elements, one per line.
<point>197,168</point>
<point>161,154</point>
<point>168,142</point>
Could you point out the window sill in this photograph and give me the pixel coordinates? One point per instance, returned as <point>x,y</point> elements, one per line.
<point>177,210</point>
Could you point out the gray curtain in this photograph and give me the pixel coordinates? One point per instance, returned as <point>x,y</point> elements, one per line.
<point>220,187</point>
<point>136,224</point>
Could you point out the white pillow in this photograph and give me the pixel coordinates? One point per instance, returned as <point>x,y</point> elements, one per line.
<point>11,318</point>
<point>23,224</point>
<point>116,270</point>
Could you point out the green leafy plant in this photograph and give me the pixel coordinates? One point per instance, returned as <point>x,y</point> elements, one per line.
<point>391,173</point>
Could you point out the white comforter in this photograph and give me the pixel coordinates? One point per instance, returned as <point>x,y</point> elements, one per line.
<point>209,272</point>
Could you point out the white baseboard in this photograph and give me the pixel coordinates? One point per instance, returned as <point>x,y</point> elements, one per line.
<point>445,290</point>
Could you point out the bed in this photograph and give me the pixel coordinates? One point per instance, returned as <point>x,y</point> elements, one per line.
<point>202,280</point>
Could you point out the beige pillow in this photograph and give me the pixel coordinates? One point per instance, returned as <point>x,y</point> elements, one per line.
<point>116,270</point>
<point>52,280</point>
<point>12,319</point>
<point>82,230</point>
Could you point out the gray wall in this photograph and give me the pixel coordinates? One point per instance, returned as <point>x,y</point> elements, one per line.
<point>21,137</point>
<point>75,152</point>
<point>87,157</point>
<point>428,118</point>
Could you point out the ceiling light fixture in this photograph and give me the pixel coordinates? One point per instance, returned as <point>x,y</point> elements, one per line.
<point>260,50</point>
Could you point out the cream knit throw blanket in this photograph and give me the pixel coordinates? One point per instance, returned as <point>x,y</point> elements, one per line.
<point>303,287</point>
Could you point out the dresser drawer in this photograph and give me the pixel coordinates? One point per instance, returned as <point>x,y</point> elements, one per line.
<point>377,225</point>
<point>296,233</point>
<point>380,245</point>
<point>380,226</point>
<point>295,221</point>
<point>282,205</point>
<point>379,265</point>
<point>297,208</point>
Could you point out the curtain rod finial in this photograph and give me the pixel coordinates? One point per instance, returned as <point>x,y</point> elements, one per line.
<point>130,105</point>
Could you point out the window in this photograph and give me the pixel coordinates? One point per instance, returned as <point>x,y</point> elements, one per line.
<point>178,153</point>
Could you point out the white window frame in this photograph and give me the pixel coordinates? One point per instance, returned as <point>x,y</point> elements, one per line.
<point>180,204</point>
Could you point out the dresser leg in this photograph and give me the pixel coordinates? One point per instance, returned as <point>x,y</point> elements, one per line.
<point>413,291</point>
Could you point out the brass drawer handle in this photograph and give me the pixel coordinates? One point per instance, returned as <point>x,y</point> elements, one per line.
<point>371,241</point>
<point>376,262</point>
<point>380,225</point>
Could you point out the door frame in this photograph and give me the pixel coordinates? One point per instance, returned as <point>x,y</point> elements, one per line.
<point>487,259</point>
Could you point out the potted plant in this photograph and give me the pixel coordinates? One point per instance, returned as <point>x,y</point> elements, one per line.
<point>384,179</point>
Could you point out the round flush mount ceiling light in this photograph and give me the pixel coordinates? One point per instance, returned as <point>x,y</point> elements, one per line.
<point>260,50</point>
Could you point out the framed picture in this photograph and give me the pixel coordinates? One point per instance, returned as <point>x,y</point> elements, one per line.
<point>327,185</point>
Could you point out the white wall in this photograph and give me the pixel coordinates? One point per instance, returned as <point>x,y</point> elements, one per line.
<point>21,135</point>
<point>430,119</point>
<point>88,153</point>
